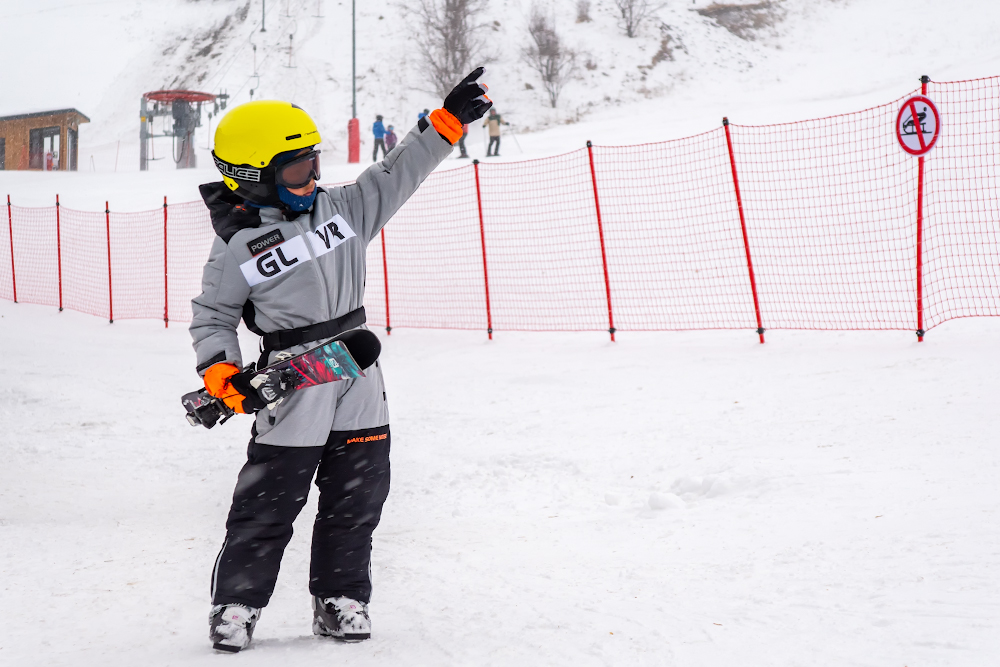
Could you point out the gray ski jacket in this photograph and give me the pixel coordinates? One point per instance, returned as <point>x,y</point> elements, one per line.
<point>307,271</point>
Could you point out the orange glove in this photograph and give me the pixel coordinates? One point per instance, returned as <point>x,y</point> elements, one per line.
<point>447,125</point>
<point>222,380</point>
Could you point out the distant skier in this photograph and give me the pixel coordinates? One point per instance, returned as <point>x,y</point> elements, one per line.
<point>390,138</point>
<point>423,114</point>
<point>379,131</point>
<point>290,261</point>
<point>461,142</point>
<point>494,121</point>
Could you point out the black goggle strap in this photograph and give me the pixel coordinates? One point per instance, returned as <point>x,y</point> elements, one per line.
<point>244,172</point>
<point>268,174</point>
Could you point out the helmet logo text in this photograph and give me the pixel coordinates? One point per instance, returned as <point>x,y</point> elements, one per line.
<point>241,173</point>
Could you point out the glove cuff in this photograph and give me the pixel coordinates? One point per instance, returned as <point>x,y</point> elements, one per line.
<point>225,381</point>
<point>447,125</point>
<point>217,379</point>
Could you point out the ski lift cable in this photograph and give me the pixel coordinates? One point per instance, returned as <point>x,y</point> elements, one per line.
<point>268,54</point>
<point>240,90</point>
<point>216,79</point>
<point>257,75</point>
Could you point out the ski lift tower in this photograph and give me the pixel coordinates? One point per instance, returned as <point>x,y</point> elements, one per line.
<point>185,108</point>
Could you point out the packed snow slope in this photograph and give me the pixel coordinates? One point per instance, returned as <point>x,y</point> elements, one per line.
<point>670,499</point>
<point>688,66</point>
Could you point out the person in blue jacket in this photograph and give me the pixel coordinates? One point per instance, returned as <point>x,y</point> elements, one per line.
<point>378,129</point>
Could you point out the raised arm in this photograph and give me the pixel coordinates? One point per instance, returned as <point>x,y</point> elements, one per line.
<point>384,187</point>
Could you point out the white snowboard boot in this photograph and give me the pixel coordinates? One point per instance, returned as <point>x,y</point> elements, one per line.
<point>341,618</point>
<point>230,626</point>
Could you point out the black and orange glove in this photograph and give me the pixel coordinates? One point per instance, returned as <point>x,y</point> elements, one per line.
<point>466,103</point>
<point>226,382</point>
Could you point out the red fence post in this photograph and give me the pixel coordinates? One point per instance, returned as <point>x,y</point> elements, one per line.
<point>59,252</point>
<point>600,230</point>
<point>924,80</point>
<point>166,301</point>
<point>482,238</point>
<point>385,285</point>
<point>107,222</point>
<point>10,228</point>
<point>920,249</point>
<point>743,227</point>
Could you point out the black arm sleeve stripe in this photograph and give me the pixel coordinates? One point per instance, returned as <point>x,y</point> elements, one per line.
<point>220,357</point>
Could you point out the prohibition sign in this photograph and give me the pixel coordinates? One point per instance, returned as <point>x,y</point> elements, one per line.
<point>918,125</point>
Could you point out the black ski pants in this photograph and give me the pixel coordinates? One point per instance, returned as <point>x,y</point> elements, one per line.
<point>352,474</point>
<point>379,143</point>
<point>494,141</point>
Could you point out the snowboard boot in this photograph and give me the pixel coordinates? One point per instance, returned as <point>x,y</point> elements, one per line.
<point>230,626</point>
<point>341,618</point>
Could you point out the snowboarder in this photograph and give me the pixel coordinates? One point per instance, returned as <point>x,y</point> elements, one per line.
<point>289,259</point>
<point>379,131</point>
<point>494,121</point>
<point>390,138</point>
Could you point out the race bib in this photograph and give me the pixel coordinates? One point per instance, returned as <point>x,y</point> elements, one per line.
<point>275,256</point>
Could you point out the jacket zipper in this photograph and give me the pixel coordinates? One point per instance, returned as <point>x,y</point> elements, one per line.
<point>315,264</point>
<point>271,418</point>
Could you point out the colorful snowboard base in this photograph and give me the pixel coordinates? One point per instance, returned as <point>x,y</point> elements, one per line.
<point>342,358</point>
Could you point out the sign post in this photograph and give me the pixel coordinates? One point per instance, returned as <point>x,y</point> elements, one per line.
<point>918,126</point>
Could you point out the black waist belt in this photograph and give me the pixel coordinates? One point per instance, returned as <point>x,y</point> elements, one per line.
<point>282,340</point>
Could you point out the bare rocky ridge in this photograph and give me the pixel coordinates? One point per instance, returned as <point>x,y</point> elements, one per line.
<point>746,21</point>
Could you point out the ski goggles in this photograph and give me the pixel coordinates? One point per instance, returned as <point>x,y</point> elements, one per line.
<point>298,172</point>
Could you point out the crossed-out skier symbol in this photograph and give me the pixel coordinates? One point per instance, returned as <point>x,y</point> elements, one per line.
<point>918,125</point>
<point>908,126</point>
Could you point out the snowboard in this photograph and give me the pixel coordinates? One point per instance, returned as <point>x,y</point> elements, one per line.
<point>342,358</point>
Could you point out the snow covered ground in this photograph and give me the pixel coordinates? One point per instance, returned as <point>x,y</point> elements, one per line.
<point>669,499</point>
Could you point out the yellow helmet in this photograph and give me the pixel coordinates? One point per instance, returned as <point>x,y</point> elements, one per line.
<point>248,139</point>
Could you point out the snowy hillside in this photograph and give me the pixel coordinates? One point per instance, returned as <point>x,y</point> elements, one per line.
<point>689,64</point>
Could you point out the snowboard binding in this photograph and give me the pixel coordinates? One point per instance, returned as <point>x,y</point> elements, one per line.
<point>203,409</point>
